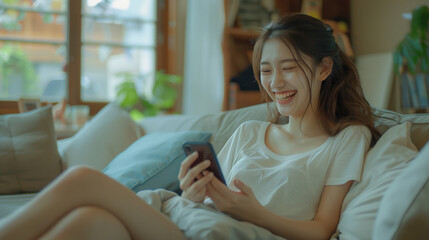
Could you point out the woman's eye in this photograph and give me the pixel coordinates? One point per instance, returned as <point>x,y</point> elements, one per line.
<point>266,71</point>
<point>288,68</point>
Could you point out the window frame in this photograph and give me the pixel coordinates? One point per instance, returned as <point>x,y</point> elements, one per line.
<point>74,53</point>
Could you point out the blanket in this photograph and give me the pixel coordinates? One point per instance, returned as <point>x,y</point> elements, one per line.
<point>200,221</point>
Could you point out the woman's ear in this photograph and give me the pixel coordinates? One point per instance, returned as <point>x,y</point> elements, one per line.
<point>325,68</point>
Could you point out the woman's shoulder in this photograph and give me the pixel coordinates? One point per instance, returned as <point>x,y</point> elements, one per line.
<point>355,131</point>
<point>252,124</point>
<point>251,127</point>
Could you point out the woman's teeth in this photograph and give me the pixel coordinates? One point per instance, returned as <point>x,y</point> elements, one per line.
<point>285,96</point>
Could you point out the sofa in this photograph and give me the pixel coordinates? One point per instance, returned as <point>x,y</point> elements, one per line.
<point>390,201</point>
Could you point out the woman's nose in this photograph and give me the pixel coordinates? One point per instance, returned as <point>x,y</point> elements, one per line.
<point>277,82</point>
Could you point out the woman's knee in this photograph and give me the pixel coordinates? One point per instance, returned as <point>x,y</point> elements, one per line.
<point>97,219</point>
<point>90,216</point>
<point>77,174</point>
<point>90,222</point>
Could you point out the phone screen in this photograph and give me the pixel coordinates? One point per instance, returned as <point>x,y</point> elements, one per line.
<point>205,151</point>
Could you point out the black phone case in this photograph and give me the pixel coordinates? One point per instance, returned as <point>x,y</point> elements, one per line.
<point>205,151</point>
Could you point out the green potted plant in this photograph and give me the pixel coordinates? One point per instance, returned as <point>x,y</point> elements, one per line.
<point>414,49</point>
<point>14,64</point>
<point>411,61</point>
<point>160,99</point>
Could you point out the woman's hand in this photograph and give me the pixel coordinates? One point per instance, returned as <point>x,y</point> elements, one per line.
<point>193,181</point>
<point>241,205</point>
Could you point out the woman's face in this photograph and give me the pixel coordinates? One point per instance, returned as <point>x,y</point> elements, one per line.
<point>285,82</point>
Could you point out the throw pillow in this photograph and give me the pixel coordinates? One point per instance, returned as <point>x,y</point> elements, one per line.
<point>404,209</point>
<point>29,157</point>
<point>106,135</point>
<point>383,163</point>
<point>419,127</point>
<point>153,161</point>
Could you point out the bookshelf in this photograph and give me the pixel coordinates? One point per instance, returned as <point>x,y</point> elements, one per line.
<point>238,42</point>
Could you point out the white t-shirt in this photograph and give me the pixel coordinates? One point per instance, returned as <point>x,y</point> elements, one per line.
<point>291,186</point>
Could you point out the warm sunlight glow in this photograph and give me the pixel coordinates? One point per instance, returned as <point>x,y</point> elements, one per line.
<point>92,3</point>
<point>118,4</point>
<point>121,4</point>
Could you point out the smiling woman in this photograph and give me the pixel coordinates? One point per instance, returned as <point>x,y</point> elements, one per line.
<point>316,67</point>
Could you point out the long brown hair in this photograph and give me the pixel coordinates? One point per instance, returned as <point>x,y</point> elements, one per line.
<point>342,102</point>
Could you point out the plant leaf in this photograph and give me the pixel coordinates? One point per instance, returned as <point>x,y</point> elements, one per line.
<point>165,96</point>
<point>136,115</point>
<point>414,43</point>
<point>419,21</point>
<point>174,79</point>
<point>410,55</point>
<point>127,95</point>
<point>397,61</point>
<point>151,110</point>
<point>425,58</point>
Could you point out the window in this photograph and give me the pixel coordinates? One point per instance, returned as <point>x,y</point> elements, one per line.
<point>32,47</point>
<point>50,49</point>
<point>117,38</point>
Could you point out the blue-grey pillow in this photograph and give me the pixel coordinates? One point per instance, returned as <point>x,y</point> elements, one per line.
<point>153,161</point>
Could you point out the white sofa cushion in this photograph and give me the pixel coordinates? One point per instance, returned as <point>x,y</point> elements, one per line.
<point>382,164</point>
<point>404,209</point>
<point>12,202</point>
<point>106,135</point>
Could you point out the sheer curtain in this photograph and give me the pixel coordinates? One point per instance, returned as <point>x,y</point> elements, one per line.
<point>203,76</point>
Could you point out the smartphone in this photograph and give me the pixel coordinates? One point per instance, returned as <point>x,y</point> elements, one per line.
<point>205,151</point>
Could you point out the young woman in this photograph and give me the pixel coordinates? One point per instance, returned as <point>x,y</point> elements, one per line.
<point>289,179</point>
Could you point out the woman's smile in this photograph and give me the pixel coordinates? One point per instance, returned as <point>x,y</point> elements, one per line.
<point>285,97</point>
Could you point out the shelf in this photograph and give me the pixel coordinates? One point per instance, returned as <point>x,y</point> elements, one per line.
<point>238,44</point>
<point>118,45</point>
<point>109,18</point>
<point>39,41</point>
<point>239,99</point>
<point>242,34</point>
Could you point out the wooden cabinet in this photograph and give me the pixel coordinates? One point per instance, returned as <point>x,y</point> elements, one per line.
<point>237,47</point>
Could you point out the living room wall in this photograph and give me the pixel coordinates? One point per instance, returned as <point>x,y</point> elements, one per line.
<point>378,26</point>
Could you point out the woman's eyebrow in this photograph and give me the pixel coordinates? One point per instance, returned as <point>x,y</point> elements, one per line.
<point>281,61</point>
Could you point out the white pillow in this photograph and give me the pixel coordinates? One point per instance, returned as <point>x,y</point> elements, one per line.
<point>383,163</point>
<point>404,210</point>
<point>109,133</point>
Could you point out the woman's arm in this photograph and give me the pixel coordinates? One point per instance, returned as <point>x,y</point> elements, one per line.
<point>244,206</point>
<point>321,227</point>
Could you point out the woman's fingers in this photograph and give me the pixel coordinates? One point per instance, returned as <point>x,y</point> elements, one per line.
<point>243,187</point>
<point>192,174</point>
<point>186,164</point>
<point>200,185</point>
<point>217,197</point>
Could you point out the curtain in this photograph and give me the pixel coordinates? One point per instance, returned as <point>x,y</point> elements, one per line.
<point>203,75</point>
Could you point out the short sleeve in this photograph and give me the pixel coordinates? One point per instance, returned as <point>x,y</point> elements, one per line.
<point>239,140</point>
<point>227,154</point>
<point>347,162</point>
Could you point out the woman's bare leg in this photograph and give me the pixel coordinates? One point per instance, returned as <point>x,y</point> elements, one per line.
<point>80,187</point>
<point>88,223</point>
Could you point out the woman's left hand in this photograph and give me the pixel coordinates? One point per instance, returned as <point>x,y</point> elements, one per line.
<point>241,205</point>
